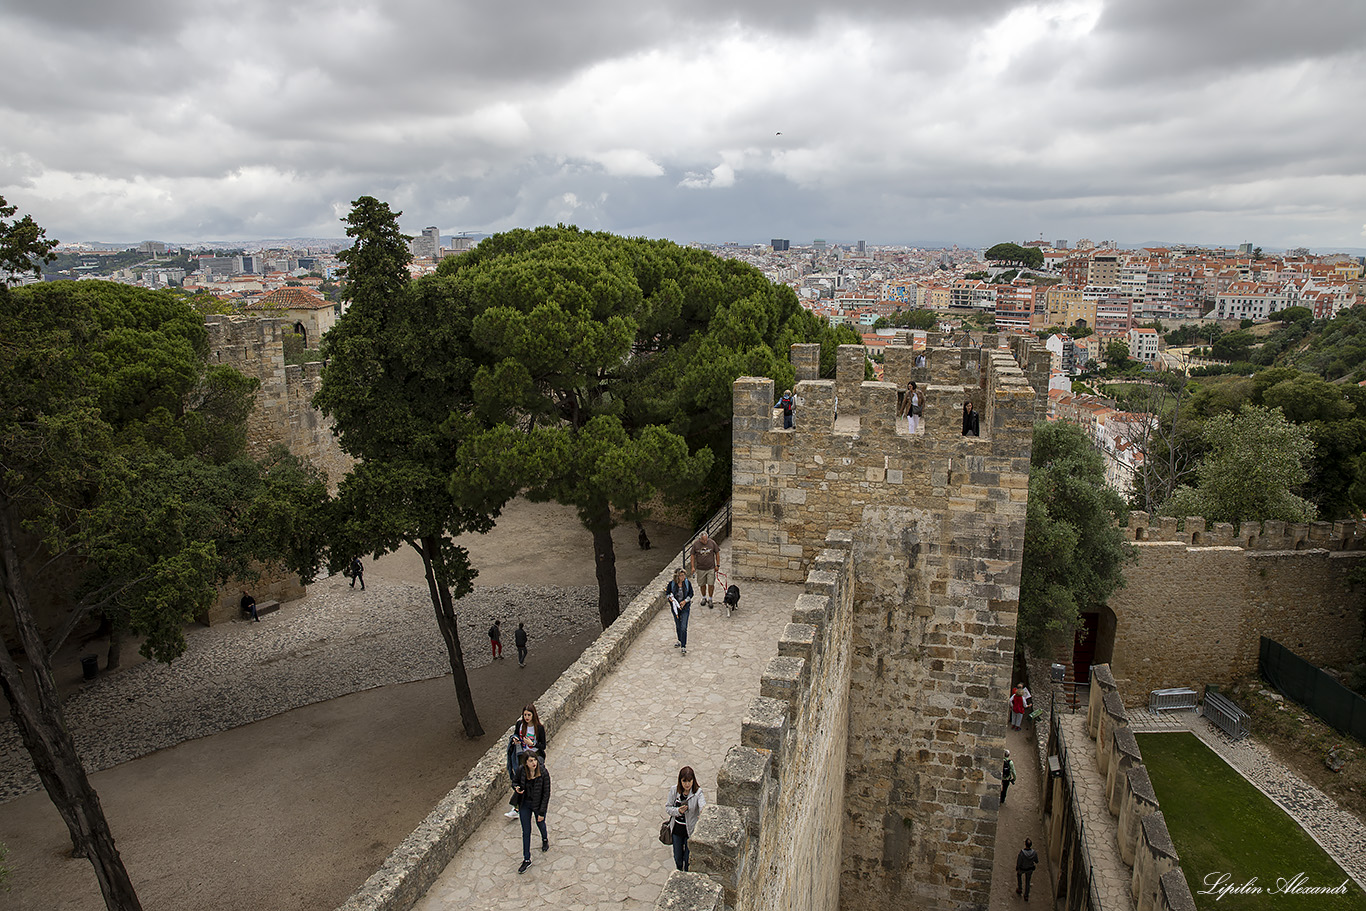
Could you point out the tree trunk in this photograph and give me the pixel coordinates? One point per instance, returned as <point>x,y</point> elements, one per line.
<point>42,727</point>
<point>444,606</point>
<point>605,563</point>
<point>115,647</point>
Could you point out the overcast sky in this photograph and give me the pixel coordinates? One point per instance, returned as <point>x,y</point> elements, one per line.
<point>891,121</point>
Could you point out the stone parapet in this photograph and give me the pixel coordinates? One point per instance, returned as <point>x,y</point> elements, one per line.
<point>1196,612</point>
<point>284,411</point>
<point>690,892</point>
<point>806,358</point>
<point>1143,843</point>
<point>1269,535</point>
<point>767,840</point>
<point>790,486</point>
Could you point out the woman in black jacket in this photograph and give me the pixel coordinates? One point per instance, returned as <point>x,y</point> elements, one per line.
<point>528,734</point>
<point>971,426</point>
<point>533,787</point>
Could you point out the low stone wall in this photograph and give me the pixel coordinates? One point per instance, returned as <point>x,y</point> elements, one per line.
<point>414,865</point>
<point>1195,613</point>
<point>1144,845</point>
<point>772,839</point>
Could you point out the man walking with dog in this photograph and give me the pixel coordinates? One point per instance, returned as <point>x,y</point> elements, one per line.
<point>702,566</point>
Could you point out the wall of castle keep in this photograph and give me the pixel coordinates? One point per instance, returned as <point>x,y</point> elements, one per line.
<point>1193,614</point>
<point>937,525</point>
<point>284,412</point>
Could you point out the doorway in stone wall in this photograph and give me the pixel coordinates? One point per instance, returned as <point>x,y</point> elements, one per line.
<point>1084,647</point>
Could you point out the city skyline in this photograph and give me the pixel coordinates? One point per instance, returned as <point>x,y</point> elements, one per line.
<point>902,124</point>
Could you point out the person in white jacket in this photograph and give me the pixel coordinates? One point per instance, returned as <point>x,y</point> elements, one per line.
<point>684,805</point>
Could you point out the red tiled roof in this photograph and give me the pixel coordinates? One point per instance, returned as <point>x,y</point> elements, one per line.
<point>291,299</point>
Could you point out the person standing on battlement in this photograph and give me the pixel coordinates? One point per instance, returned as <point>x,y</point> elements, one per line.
<point>912,406</point>
<point>971,426</point>
<point>702,563</point>
<point>786,404</point>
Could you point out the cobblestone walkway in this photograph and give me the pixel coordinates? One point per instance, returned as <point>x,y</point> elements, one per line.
<point>1110,874</point>
<point>1339,833</point>
<point>612,765</point>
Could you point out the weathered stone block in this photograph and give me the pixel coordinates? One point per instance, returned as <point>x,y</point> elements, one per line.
<point>690,892</point>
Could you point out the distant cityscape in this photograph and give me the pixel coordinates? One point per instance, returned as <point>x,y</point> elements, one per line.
<point>1116,294</point>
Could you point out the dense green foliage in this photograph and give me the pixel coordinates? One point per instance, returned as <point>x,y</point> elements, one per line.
<point>1074,551</point>
<point>24,246</point>
<point>122,452</point>
<point>1226,826</point>
<point>605,366</point>
<point>909,319</point>
<point>1253,464</point>
<point>1028,257</point>
<point>124,448</point>
<point>398,384</point>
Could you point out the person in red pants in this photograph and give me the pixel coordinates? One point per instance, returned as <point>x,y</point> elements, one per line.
<point>496,638</point>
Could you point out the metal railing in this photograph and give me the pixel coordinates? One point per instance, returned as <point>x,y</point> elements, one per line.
<point>1232,720</point>
<point>717,528</point>
<point>1175,699</point>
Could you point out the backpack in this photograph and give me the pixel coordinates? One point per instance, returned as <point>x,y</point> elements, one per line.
<point>787,405</point>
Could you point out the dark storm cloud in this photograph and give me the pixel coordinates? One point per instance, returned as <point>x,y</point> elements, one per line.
<point>881,120</point>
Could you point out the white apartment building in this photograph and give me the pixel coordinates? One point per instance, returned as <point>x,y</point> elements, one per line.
<point>1143,345</point>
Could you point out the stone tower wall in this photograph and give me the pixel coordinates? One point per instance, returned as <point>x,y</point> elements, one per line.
<point>937,523</point>
<point>284,412</point>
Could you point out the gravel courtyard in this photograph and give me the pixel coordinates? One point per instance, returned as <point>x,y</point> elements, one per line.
<point>277,763</point>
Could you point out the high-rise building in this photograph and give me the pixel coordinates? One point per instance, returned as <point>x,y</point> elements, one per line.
<point>819,245</point>
<point>780,244</point>
<point>427,245</point>
<point>862,248</point>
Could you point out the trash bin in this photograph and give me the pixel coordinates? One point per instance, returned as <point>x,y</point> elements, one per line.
<point>90,666</point>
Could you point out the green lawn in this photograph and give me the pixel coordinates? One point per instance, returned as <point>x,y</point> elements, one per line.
<point>1221,825</point>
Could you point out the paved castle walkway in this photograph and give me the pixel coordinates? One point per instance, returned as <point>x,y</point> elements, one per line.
<point>613,763</point>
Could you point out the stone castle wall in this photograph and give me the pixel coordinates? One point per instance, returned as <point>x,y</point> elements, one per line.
<point>1193,614</point>
<point>284,412</point>
<point>772,837</point>
<point>937,522</point>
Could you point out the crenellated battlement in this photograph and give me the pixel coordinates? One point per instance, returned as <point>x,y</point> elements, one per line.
<point>848,449</point>
<point>1268,535</point>
<point>284,411</point>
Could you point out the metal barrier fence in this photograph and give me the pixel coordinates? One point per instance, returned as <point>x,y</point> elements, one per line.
<point>1339,707</point>
<point>1172,700</point>
<point>1232,720</point>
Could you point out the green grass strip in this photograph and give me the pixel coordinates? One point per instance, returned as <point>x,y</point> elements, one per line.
<point>1231,838</point>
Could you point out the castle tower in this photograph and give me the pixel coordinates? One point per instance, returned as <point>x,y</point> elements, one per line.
<point>937,526</point>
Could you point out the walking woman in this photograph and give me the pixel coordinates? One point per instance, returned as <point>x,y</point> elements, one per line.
<point>684,805</point>
<point>680,604</point>
<point>528,736</point>
<point>533,789</point>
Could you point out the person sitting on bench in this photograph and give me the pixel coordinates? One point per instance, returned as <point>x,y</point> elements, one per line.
<point>249,606</point>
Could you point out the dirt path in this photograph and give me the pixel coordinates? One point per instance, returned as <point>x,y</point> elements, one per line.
<point>295,811</point>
